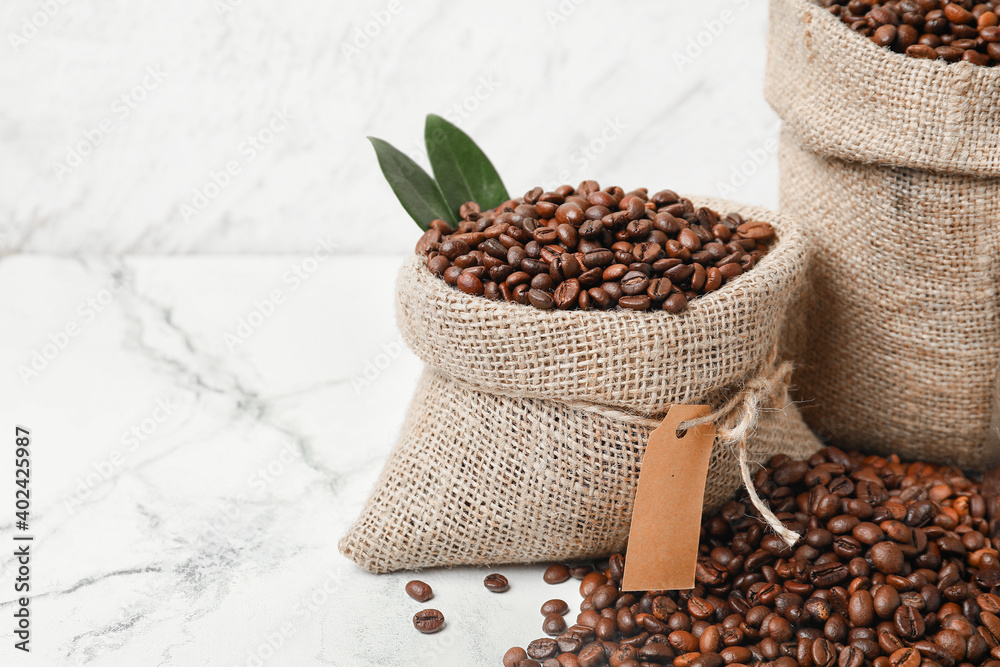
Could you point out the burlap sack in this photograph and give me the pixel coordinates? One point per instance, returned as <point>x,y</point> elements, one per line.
<point>891,164</point>
<point>524,439</point>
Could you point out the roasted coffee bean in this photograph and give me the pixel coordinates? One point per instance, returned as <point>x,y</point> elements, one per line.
<point>641,302</point>
<point>556,574</point>
<point>675,303</point>
<point>553,625</point>
<point>428,621</point>
<point>905,657</point>
<point>514,657</point>
<point>419,591</point>
<point>567,294</point>
<point>944,25</point>
<point>539,299</point>
<point>469,284</point>
<point>496,583</point>
<point>897,584</point>
<point>887,558</point>
<point>555,606</point>
<point>861,608</point>
<point>886,602</point>
<point>541,649</point>
<point>909,623</point>
<point>563,235</point>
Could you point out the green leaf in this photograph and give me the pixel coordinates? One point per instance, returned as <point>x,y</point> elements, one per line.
<point>415,189</point>
<point>462,170</point>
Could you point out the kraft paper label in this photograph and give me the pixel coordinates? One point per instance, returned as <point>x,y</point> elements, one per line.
<point>666,520</point>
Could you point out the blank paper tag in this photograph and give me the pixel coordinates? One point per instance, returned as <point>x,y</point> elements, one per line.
<point>666,520</point>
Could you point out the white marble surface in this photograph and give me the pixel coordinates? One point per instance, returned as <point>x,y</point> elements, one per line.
<point>204,533</point>
<point>118,119</point>
<point>199,441</point>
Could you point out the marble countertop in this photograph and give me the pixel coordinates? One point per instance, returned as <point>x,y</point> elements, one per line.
<point>191,476</point>
<point>197,334</point>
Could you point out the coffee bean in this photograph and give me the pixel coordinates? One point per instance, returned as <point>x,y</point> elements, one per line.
<point>539,299</point>
<point>861,608</point>
<point>826,601</point>
<point>496,583</point>
<point>942,24</point>
<point>634,282</point>
<point>556,574</point>
<point>886,602</point>
<point>564,267</point>
<point>419,591</point>
<point>540,649</point>
<point>887,557</point>
<point>428,621</point>
<point>553,625</point>
<point>909,623</point>
<point>675,303</point>
<point>641,302</point>
<point>905,657</point>
<point>562,237</point>
<point>591,582</point>
<point>567,294</point>
<point>555,607</point>
<point>469,284</point>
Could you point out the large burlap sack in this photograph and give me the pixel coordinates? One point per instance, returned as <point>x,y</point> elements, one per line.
<point>525,437</point>
<point>891,164</point>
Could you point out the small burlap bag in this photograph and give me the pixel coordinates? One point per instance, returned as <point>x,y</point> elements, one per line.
<point>891,164</point>
<point>525,437</point>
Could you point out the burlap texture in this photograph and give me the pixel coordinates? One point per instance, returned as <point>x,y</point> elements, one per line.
<point>902,336</point>
<point>842,96</point>
<point>490,469</point>
<point>890,163</point>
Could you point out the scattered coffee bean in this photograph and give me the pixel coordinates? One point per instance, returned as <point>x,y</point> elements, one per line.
<point>419,591</point>
<point>555,607</point>
<point>496,583</point>
<point>629,251</point>
<point>428,621</point>
<point>556,574</point>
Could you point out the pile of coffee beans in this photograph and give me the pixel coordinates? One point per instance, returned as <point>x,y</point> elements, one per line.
<point>591,248</point>
<point>894,569</point>
<point>930,29</point>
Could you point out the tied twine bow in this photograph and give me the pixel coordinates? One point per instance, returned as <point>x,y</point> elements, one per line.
<point>735,421</point>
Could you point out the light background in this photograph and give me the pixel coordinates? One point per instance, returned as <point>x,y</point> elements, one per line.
<point>120,118</point>
<point>118,219</point>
